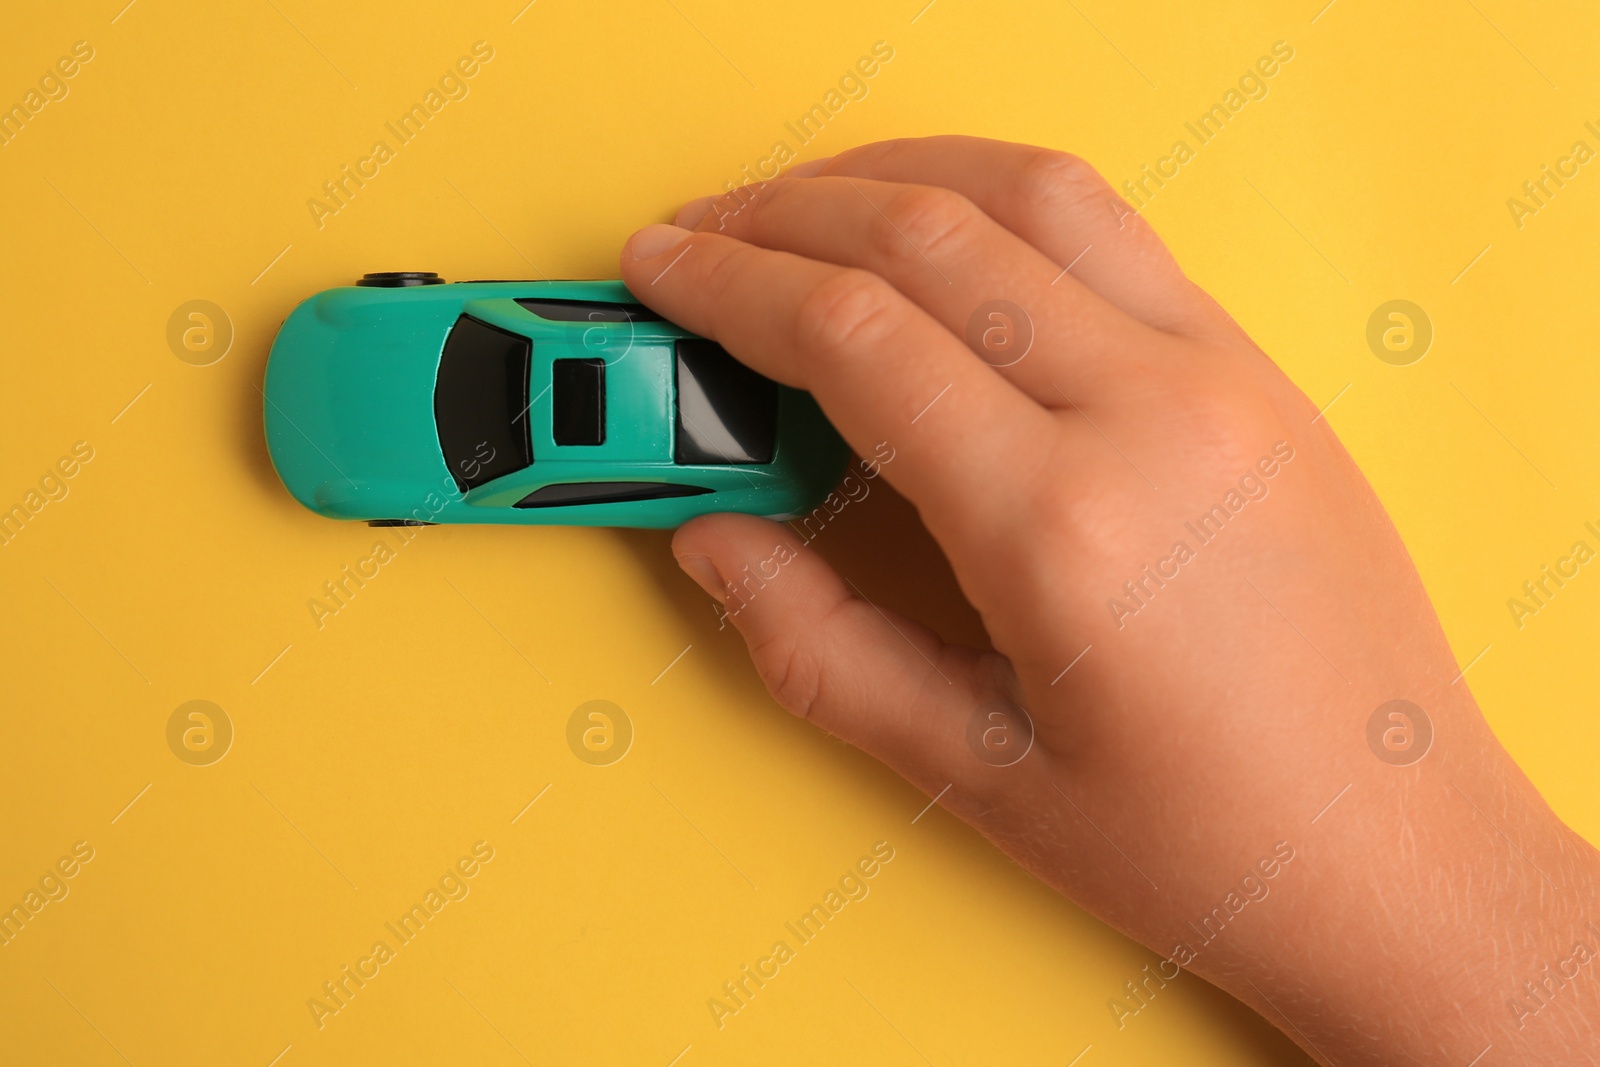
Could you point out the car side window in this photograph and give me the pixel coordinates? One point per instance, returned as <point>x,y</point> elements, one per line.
<point>570,494</point>
<point>588,311</point>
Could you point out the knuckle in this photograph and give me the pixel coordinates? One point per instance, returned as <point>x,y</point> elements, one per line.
<point>1232,423</point>
<point>794,662</point>
<point>729,211</point>
<point>1060,183</point>
<point>792,671</point>
<point>847,314</point>
<point>1074,513</point>
<point>893,152</point>
<point>750,206</point>
<point>1058,511</point>
<point>920,220</point>
<point>720,269</point>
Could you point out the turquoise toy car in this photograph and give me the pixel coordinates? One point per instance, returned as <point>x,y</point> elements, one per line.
<point>406,401</point>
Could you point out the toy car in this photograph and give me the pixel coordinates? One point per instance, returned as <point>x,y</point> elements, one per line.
<point>406,401</point>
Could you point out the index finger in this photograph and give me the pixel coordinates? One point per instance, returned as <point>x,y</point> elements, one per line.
<point>882,369</point>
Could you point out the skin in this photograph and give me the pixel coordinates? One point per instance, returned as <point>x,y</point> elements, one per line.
<point>1215,740</point>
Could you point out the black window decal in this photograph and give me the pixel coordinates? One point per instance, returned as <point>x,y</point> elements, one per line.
<point>588,311</point>
<point>480,402</point>
<point>569,494</point>
<point>726,412</point>
<point>578,401</point>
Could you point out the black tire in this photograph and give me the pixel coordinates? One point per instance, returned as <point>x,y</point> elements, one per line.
<point>399,522</point>
<point>399,279</point>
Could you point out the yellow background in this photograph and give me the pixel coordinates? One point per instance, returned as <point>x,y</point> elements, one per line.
<point>370,754</point>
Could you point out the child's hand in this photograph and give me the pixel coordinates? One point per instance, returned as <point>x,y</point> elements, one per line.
<point>1189,585</point>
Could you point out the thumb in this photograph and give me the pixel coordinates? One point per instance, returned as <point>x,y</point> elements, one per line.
<point>886,684</point>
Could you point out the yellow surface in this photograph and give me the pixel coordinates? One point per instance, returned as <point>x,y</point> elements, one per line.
<point>370,755</point>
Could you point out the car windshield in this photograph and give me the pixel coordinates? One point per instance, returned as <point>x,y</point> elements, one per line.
<point>727,413</point>
<point>480,402</point>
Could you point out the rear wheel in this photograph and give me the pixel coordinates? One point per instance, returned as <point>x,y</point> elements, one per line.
<point>399,279</point>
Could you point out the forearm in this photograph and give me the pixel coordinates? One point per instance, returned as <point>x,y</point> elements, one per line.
<point>1448,915</point>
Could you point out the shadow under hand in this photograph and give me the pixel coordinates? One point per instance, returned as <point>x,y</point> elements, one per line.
<point>880,547</point>
<point>876,542</point>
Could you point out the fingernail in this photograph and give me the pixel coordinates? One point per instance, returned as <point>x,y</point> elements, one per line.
<point>705,575</point>
<point>810,168</point>
<point>654,240</point>
<point>690,214</point>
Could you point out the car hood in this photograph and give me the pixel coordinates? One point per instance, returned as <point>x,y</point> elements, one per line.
<point>348,401</point>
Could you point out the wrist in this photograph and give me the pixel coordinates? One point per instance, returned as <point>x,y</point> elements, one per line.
<point>1452,889</point>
